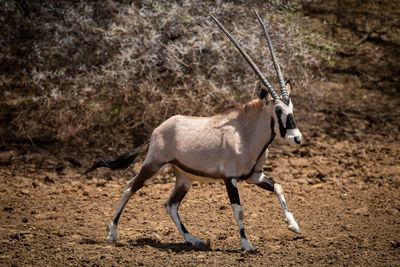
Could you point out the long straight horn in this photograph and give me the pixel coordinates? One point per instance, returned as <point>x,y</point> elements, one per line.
<point>251,63</point>
<point>285,95</point>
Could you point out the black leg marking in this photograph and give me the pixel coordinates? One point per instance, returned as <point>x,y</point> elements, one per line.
<point>177,195</point>
<point>116,217</point>
<point>233,192</point>
<point>266,184</point>
<point>284,206</point>
<point>184,230</point>
<point>242,233</point>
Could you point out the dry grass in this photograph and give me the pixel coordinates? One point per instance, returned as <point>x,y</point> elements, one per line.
<point>104,74</point>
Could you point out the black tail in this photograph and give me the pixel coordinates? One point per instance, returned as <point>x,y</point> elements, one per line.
<point>121,162</point>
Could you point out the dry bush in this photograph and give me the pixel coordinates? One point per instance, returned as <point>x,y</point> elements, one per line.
<point>104,74</point>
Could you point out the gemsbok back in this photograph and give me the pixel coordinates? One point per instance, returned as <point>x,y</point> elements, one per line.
<point>231,146</point>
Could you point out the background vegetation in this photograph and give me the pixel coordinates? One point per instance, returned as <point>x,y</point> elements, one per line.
<point>103,74</point>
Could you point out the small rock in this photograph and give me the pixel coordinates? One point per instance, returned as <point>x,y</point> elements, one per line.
<point>9,209</point>
<point>25,192</point>
<point>155,235</point>
<point>360,211</point>
<point>14,236</point>
<point>393,211</point>
<point>47,179</point>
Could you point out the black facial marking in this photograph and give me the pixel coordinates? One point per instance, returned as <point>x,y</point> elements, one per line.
<point>278,112</point>
<point>282,129</point>
<point>290,122</point>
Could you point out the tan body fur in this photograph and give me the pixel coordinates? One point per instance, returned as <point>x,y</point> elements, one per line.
<point>225,145</point>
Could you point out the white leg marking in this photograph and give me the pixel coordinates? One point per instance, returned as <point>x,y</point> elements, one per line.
<point>238,213</point>
<point>234,182</point>
<point>292,224</point>
<point>112,233</point>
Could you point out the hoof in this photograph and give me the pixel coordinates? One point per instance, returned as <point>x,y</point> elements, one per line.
<point>195,242</point>
<point>246,246</point>
<point>112,234</point>
<point>111,241</point>
<point>294,228</point>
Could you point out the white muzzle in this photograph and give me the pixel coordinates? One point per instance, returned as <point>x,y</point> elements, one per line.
<point>293,136</point>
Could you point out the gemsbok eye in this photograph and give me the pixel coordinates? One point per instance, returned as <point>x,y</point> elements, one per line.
<point>278,112</point>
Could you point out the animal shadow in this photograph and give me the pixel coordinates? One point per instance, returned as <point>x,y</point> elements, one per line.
<point>174,247</point>
<point>178,247</point>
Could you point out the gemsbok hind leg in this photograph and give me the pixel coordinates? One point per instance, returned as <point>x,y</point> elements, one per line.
<point>262,181</point>
<point>182,186</point>
<point>233,194</point>
<point>133,185</point>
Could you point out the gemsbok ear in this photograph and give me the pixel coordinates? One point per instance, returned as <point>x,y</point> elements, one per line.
<point>288,86</point>
<point>262,92</point>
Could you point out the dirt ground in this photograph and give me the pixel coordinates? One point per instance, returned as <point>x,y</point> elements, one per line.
<point>342,185</point>
<point>343,190</point>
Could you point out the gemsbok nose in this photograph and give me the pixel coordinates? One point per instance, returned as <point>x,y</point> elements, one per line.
<point>297,140</point>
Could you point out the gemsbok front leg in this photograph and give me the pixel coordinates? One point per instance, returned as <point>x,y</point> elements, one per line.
<point>262,181</point>
<point>233,193</point>
<point>182,186</point>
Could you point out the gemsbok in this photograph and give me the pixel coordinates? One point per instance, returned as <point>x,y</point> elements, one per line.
<point>231,146</point>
